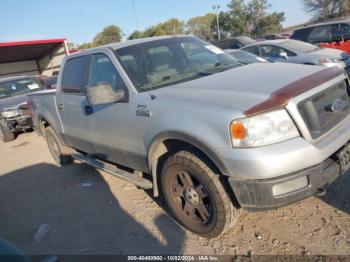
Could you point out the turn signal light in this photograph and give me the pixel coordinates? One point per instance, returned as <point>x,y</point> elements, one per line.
<point>237,130</point>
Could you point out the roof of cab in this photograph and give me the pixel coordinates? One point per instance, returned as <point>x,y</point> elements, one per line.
<point>123,44</point>
<point>337,21</point>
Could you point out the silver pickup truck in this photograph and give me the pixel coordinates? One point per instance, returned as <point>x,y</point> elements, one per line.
<point>181,117</point>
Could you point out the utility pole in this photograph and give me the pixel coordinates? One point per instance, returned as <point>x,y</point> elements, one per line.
<point>216,9</point>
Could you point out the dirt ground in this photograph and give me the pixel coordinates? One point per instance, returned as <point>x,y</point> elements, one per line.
<point>111,216</point>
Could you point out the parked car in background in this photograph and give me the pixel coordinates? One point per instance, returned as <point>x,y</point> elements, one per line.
<point>48,82</point>
<point>274,37</point>
<point>234,43</point>
<point>14,113</point>
<point>329,32</point>
<point>294,51</point>
<point>180,116</point>
<point>245,57</point>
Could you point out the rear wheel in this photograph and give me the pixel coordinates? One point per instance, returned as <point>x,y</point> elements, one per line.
<point>59,152</point>
<point>6,135</point>
<point>195,195</point>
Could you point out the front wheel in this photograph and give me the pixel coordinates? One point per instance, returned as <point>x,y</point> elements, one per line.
<point>6,135</point>
<point>195,196</point>
<point>59,152</point>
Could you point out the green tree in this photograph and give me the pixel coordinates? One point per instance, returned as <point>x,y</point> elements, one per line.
<point>202,26</point>
<point>172,26</point>
<point>85,46</point>
<point>110,34</point>
<point>235,21</point>
<point>250,18</point>
<point>256,13</point>
<point>270,24</point>
<point>325,9</point>
<point>135,35</point>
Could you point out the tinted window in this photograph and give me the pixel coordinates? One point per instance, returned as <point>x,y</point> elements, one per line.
<point>341,32</point>
<point>102,70</point>
<point>73,75</point>
<point>301,34</point>
<point>253,50</point>
<point>164,62</point>
<point>320,34</point>
<point>269,51</point>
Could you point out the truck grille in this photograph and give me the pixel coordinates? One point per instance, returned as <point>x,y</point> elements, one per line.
<point>325,110</point>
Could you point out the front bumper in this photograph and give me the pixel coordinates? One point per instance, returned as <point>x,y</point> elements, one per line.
<point>20,123</point>
<point>259,194</point>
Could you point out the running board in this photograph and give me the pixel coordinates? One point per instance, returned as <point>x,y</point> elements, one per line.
<point>113,170</point>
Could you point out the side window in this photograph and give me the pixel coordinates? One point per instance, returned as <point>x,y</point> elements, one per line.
<point>321,34</point>
<point>301,34</point>
<point>269,51</point>
<point>73,75</point>
<point>253,50</point>
<point>345,31</point>
<point>102,70</point>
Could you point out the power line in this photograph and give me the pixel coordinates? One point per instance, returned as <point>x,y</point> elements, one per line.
<point>135,14</point>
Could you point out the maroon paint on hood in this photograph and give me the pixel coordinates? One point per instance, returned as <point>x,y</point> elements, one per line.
<point>281,97</point>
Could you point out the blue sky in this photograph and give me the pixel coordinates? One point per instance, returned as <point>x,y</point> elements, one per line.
<point>80,20</point>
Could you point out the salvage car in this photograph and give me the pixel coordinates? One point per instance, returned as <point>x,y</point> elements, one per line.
<point>181,117</point>
<point>14,113</point>
<point>293,51</point>
<point>245,57</point>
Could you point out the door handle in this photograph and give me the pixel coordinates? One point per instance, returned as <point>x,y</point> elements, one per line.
<point>60,107</point>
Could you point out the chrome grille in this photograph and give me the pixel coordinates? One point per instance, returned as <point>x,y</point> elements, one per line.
<point>325,110</point>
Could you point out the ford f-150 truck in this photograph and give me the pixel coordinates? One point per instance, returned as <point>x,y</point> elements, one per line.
<point>179,116</point>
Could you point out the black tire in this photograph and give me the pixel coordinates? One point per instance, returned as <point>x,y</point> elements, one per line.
<point>6,135</point>
<point>60,153</point>
<point>195,196</point>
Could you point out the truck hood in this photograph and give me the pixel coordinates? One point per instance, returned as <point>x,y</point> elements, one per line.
<point>239,88</point>
<point>12,102</point>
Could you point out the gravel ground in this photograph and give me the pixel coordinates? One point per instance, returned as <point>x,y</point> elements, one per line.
<point>109,216</point>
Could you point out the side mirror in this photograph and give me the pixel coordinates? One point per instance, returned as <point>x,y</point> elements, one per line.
<point>283,55</point>
<point>103,93</point>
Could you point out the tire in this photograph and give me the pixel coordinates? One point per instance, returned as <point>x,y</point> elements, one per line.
<point>60,153</point>
<point>195,196</point>
<point>6,135</point>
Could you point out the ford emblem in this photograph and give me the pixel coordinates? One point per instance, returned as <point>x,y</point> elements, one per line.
<point>337,105</point>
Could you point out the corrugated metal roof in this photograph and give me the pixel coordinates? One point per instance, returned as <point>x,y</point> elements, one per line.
<point>27,50</point>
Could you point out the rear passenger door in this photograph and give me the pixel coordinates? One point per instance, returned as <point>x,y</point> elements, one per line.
<point>71,103</point>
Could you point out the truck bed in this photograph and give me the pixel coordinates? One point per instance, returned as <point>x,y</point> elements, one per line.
<point>44,107</point>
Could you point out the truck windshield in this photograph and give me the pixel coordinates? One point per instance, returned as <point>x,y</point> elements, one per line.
<point>165,62</point>
<point>18,87</point>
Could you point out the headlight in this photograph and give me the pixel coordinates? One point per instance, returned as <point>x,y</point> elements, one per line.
<point>261,130</point>
<point>10,113</point>
<point>329,60</point>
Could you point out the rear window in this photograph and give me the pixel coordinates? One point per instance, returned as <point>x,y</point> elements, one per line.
<point>298,46</point>
<point>73,80</point>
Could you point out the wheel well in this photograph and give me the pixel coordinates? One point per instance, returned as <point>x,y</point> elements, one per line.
<point>171,146</point>
<point>43,124</point>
